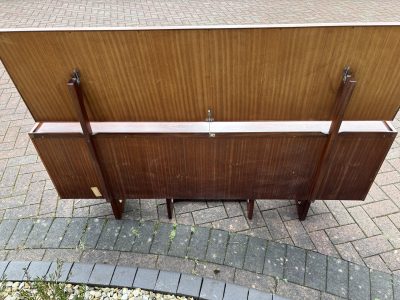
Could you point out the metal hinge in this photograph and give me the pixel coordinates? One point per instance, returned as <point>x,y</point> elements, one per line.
<point>210,119</point>
<point>76,77</point>
<point>346,73</point>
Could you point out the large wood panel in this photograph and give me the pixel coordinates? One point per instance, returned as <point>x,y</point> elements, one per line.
<point>176,75</point>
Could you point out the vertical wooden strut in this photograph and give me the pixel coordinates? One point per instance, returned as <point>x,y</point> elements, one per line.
<point>79,105</point>
<point>342,100</point>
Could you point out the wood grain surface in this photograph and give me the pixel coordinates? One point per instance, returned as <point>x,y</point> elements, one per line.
<point>176,75</point>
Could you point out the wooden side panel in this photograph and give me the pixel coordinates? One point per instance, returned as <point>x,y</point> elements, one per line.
<point>199,167</point>
<point>176,75</point>
<point>69,165</point>
<point>357,158</point>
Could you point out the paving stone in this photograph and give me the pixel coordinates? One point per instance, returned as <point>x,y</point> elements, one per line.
<point>67,255</point>
<point>161,239</point>
<point>396,287</point>
<point>6,229</point>
<point>295,265</point>
<point>212,289</point>
<point>123,276</point>
<point>217,246</point>
<point>55,233</point>
<point>185,219</point>
<point>389,230</point>
<point>209,215</point>
<point>20,234</point>
<point>167,282</point>
<point>137,259</point>
<point>381,208</point>
<point>347,252</point>
<point>144,238</point>
<point>323,243</point>
<point>38,269</point>
<point>80,273</point>
<point>3,266</point>
<point>189,285</point>
<point>145,279</point>
<point>236,250</point>
<point>319,222</point>
<point>16,270</point>
<point>233,224</point>
<point>171,263</point>
<point>74,232</point>
<point>315,275</point>
<point>255,255</point>
<point>268,204</point>
<point>188,206</point>
<point>294,291</point>
<point>339,212</point>
<point>275,259</point>
<point>299,235</point>
<point>101,274</point>
<point>392,259</point>
<point>275,224</point>
<point>180,242</point>
<point>337,277</point>
<point>233,208</point>
<point>395,218</point>
<point>100,256</point>
<point>372,246</point>
<point>215,271</point>
<point>235,292</point>
<point>198,243</point>
<point>359,284</point>
<point>93,232</point>
<point>59,271</point>
<point>364,221</point>
<point>381,285</point>
<point>26,254</point>
<point>38,233</point>
<point>127,235</point>
<point>109,235</point>
<point>376,263</point>
<point>258,295</point>
<point>346,233</point>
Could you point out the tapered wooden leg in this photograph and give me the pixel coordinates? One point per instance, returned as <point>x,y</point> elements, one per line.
<point>170,207</point>
<point>302,209</point>
<point>118,208</point>
<point>250,208</point>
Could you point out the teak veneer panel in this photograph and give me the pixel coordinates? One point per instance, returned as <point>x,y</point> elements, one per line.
<point>176,75</point>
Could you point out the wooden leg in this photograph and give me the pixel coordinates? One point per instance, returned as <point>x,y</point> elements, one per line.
<point>302,209</point>
<point>250,208</point>
<point>118,208</point>
<point>169,208</point>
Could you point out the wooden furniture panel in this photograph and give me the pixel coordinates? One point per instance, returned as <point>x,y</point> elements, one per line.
<point>67,160</point>
<point>176,75</point>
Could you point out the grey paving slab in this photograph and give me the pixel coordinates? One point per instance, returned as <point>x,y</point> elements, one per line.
<point>275,259</point>
<point>73,234</point>
<point>198,243</point>
<point>295,265</point>
<point>144,238</point>
<point>145,279</point>
<point>236,250</point>
<point>93,232</point>
<point>217,246</point>
<point>38,269</point>
<point>180,241</point>
<point>101,274</point>
<point>161,240</point>
<point>396,287</point>
<point>55,233</point>
<point>109,235</point>
<point>20,234</point>
<point>381,285</point>
<point>80,273</point>
<point>16,270</point>
<point>315,275</point>
<point>6,230</point>
<point>3,266</point>
<point>38,233</point>
<point>258,295</point>
<point>127,235</point>
<point>123,276</point>
<point>212,289</point>
<point>167,282</point>
<point>189,285</point>
<point>359,282</point>
<point>59,271</point>
<point>255,255</point>
<point>235,292</point>
<point>337,277</point>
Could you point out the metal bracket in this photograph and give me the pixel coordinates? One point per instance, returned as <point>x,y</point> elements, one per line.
<point>346,73</point>
<point>210,119</point>
<point>76,76</point>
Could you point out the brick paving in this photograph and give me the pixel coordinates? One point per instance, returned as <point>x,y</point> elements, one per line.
<point>366,233</point>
